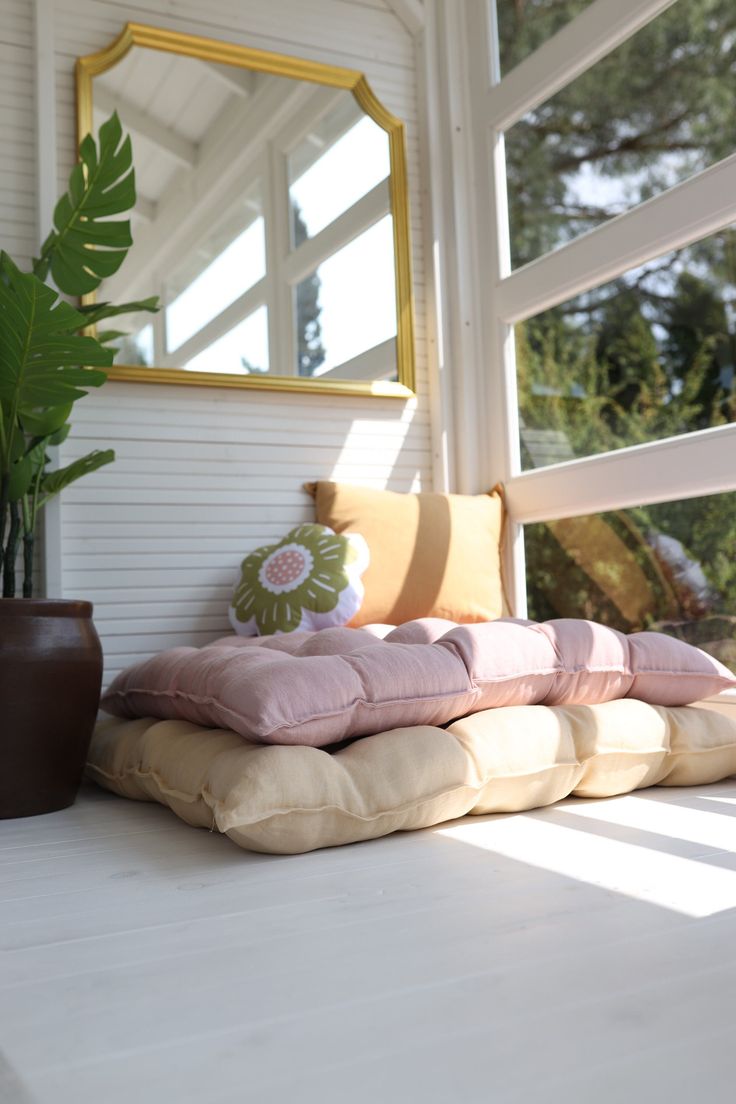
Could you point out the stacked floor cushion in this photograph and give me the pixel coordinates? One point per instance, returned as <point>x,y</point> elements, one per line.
<point>324,687</point>
<point>291,799</point>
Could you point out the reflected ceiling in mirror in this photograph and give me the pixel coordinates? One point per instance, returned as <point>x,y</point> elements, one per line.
<point>271,217</point>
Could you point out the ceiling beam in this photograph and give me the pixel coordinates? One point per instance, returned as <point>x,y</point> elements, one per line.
<point>240,81</point>
<point>144,125</point>
<point>145,209</point>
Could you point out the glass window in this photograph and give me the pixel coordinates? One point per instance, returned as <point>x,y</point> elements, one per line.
<point>668,567</point>
<point>648,356</point>
<point>653,112</point>
<point>348,305</point>
<point>229,261</point>
<point>524,25</point>
<point>241,351</point>
<point>335,165</point>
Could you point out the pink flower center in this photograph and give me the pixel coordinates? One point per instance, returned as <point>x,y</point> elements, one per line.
<point>285,567</point>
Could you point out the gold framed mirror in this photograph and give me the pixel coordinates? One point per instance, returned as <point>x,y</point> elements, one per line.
<point>272,218</point>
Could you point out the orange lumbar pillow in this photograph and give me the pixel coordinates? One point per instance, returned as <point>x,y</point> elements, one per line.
<point>432,555</point>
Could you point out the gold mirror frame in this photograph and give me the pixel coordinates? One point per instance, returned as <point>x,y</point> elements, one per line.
<point>262,61</point>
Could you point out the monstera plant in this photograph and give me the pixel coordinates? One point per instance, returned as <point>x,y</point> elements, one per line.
<point>46,361</point>
<point>51,668</point>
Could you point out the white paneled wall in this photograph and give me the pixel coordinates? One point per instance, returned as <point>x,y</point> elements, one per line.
<point>17,120</point>
<point>204,475</point>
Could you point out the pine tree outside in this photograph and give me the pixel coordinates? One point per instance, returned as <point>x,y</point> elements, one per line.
<point>648,356</point>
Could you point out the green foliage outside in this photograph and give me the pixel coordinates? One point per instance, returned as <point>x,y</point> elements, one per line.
<point>651,354</point>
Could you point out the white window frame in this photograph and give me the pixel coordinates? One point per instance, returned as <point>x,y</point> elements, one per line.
<point>691,465</point>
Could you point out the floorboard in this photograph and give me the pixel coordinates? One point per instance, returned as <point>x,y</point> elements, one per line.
<point>582,952</point>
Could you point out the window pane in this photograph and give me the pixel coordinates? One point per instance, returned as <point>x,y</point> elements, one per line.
<point>523,25</point>
<point>335,165</point>
<point>229,261</point>
<point>349,305</point>
<point>242,351</point>
<point>645,357</point>
<point>651,113</point>
<point>668,567</point>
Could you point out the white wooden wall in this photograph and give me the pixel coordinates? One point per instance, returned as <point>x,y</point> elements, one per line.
<point>204,475</point>
<point>17,127</point>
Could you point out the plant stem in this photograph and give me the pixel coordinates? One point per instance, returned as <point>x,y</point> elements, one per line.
<point>4,487</point>
<point>11,551</point>
<point>30,517</point>
<point>40,265</point>
<point>28,565</point>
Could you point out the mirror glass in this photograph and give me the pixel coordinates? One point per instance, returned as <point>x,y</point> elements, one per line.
<point>264,222</point>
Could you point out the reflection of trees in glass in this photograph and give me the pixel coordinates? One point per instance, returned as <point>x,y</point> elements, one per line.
<point>651,354</point>
<point>252,369</point>
<point>310,350</point>
<point>669,566</point>
<point>129,351</point>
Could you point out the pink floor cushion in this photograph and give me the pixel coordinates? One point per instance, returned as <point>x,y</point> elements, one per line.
<point>321,688</point>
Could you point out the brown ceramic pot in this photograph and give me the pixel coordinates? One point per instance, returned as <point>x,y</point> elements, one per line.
<point>50,678</point>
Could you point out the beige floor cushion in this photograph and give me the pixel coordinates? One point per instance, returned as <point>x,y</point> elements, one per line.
<point>293,799</point>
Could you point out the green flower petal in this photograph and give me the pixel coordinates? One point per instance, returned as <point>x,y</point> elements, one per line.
<point>319,593</point>
<point>244,600</point>
<point>256,558</point>
<point>322,592</point>
<point>282,614</point>
<point>331,553</point>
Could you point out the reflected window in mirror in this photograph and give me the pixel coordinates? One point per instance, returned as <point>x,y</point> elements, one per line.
<point>348,339</point>
<point>338,161</point>
<point>221,268</point>
<point>265,221</point>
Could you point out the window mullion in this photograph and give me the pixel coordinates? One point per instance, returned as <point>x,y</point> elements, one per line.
<point>366,212</point>
<point>221,324</point>
<point>689,466</point>
<point>686,213</point>
<point>577,47</point>
<point>281,325</point>
<point>497,387</point>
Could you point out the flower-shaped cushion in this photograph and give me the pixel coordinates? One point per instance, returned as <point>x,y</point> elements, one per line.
<point>309,580</point>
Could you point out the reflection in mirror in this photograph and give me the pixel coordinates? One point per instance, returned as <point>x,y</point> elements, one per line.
<point>265,222</point>
<point>342,337</point>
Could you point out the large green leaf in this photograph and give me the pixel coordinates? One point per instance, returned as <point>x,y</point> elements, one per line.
<point>41,352</point>
<point>55,481</point>
<point>96,312</point>
<point>105,337</point>
<point>42,423</point>
<point>60,436</point>
<point>86,245</point>
<point>24,470</point>
<point>19,478</point>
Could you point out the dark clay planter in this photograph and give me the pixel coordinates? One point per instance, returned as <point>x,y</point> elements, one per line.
<point>50,678</point>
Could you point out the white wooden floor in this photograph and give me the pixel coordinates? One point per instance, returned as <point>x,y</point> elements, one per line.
<point>581,953</point>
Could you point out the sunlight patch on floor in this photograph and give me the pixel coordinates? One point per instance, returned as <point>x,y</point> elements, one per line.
<point>713,830</point>
<point>686,886</point>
